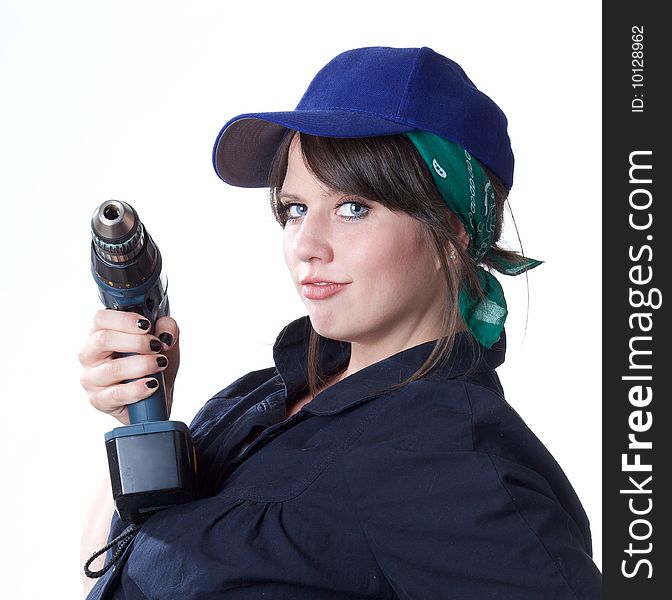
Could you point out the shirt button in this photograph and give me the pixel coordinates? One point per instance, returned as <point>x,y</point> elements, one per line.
<point>262,406</point>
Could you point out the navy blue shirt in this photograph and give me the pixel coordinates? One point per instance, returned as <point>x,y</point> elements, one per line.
<point>437,490</point>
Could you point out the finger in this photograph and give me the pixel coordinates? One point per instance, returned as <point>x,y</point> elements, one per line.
<point>105,342</point>
<point>167,331</point>
<point>115,399</point>
<point>118,370</point>
<point>120,320</point>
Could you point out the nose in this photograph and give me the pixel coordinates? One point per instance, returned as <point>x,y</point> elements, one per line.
<point>312,239</point>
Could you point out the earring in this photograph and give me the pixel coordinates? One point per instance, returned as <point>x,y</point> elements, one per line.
<point>452,254</point>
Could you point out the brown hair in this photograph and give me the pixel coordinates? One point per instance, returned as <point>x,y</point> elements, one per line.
<point>389,170</point>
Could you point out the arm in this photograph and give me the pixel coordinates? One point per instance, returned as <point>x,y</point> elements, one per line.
<point>96,530</point>
<point>103,379</point>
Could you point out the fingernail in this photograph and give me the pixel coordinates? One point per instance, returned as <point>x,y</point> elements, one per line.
<point>166,338</point>
<point>143,324</point>
<point>152,384</point>
<point>155,345</point>
<point>162,361</point>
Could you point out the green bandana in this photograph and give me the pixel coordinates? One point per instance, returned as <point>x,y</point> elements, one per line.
<point>468,193</point>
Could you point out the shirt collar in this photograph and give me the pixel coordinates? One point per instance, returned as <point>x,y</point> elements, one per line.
<point>290,354</point>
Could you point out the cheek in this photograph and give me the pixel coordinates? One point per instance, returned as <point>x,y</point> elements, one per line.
<point>287,250</point>
<point>405,258</point>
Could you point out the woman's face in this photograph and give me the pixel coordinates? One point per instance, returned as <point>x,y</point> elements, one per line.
<point>366,275</point>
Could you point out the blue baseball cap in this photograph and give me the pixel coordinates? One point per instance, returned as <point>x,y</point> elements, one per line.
<point>369,92</point>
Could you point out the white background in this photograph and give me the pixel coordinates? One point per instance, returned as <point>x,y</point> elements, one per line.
<point>124,100</point>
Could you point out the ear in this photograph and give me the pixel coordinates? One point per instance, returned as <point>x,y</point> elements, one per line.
<point>462,240</point>
<point>462,236</point>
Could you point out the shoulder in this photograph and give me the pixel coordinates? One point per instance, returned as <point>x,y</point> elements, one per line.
<point>465,424</point>
<point>466,413</point>
<point>446,414</point>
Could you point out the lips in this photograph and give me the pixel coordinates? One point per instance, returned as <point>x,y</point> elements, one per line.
<point>314,288</point>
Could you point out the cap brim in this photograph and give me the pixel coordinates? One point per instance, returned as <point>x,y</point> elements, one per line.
<point>245,147</point>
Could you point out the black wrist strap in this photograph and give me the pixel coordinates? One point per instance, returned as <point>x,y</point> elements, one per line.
<point>122,540</point>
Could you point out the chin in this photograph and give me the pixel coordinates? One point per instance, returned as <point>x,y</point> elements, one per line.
<point>327,328</point>
<point>331,333</point>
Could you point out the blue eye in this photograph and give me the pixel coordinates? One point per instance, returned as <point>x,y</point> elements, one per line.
<point>352,210</point>
<point>296,211</point>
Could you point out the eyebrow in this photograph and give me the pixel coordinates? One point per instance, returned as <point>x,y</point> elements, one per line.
<point>281,194</point>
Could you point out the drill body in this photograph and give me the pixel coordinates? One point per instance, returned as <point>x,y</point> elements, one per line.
<point>152,461</point>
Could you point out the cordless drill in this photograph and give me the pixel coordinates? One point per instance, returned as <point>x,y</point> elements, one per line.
<point>152,461</point>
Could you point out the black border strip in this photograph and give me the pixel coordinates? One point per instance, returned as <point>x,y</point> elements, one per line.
<point>637,421</point>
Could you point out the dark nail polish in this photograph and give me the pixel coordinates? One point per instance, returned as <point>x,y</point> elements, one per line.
<point>152,384</point>
<point>166,338</point>
<point>162,361</point>
<point>143,324</point>
<point>155,345</point>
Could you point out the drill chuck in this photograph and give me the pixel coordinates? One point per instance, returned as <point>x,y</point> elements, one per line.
<point>118,234</point>
<point>125,260</point>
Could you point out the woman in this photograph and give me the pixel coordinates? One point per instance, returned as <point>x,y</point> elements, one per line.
<point>378,457</point>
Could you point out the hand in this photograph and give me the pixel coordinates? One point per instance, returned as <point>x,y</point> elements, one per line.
<point>113,332</point>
